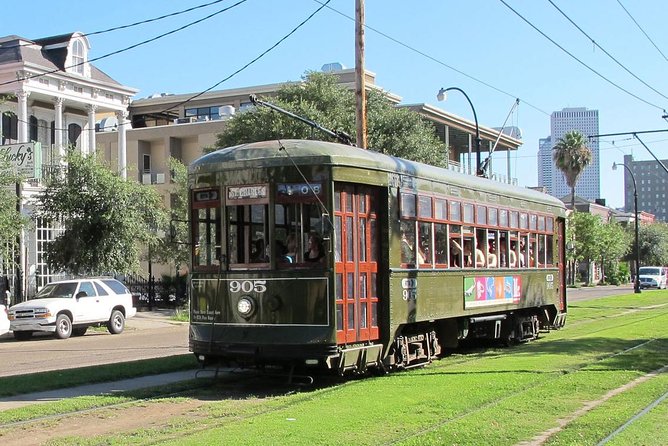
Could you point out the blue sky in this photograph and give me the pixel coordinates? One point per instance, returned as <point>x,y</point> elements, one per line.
<point>480,46</point>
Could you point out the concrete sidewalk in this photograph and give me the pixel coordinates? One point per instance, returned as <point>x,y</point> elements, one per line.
<point>105,388</point>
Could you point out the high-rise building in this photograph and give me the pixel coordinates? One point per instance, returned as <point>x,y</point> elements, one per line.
<point>586,122</point>
<point>651,183</point>
<point>545,164</point>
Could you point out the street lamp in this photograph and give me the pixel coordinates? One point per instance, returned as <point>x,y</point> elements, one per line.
<point>636,284</point>
<point>441,96</point>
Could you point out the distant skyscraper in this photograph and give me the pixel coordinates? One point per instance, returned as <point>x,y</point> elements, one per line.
<point>651,181</point>
<point>586,122</point>
<point>545,164</point>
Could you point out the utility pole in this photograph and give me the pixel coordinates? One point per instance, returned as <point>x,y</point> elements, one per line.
<point>360,87</point>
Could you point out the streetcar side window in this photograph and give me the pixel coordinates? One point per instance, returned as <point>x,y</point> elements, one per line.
<point>206,235</point>
<point>408,242</point>
<point>206,228</point>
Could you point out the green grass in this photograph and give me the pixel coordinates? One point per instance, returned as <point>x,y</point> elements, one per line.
<point>491,397</point>
<point>37,382</point>
<point>181,315</point>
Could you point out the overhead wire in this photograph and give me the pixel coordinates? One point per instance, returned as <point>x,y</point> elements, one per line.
<point>434,59</point>
<point>281,40</point>
<point>577,59</point>
<point>606,52</point>
<point>261,55</point>
<point>154,19</point>
<point>135,45</point>
<point>642,30</point>
<point>144,42</point>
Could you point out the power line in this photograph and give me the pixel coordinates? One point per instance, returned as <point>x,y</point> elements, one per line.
<point>144,42</point>
<point>249,63</point>
<point>434,59</point>
<point>606,53</point>
<point>154,19</point>
<point>642,30</point>
<point>578,60</point>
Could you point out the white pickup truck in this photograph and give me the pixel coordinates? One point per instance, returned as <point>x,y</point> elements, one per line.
<point>69,307</point>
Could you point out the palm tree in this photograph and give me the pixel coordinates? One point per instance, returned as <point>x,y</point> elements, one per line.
<point>572,156</point>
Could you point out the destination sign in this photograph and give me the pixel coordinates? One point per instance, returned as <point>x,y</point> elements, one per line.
<point>246,192</point>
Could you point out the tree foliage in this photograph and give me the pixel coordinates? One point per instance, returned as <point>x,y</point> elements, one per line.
<point>571,156</point>
<point>106,219</point>
<point>653,239</point>
<point>11,221</point>
<point>319,98</point>
<point>597,241</point>
<point>173,246</point>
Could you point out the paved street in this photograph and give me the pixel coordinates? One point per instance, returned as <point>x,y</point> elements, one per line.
<point>147,335</point>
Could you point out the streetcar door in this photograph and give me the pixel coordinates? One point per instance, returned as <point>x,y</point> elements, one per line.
<point>356,262</point>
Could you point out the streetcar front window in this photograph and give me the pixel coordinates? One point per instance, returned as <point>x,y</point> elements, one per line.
<point>298,233</point>
<point>247,234</point>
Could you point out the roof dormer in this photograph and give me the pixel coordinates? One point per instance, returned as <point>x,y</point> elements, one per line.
<point>77,55</point>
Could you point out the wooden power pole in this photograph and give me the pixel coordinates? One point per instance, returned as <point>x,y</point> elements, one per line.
<point>360,87</point>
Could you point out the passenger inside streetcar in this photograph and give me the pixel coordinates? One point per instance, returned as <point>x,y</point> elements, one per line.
<point>315,251</point>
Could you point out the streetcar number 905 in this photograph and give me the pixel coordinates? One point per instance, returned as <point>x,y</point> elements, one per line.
<point>247,286</point>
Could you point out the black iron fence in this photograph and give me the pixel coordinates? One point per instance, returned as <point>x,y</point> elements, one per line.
<point>166,292</point>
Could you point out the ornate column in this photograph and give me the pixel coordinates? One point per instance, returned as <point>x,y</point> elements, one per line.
<point>121,115</point>
<point>58,122</point>
<point>91,129</point>
<point>23,133</point>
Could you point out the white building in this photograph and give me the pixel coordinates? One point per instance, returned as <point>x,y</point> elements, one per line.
<point>53,96</point>
<point>589,183</point>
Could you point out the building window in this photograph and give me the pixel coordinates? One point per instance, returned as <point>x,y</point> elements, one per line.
<point>78,57</point>
<point>10,128</point>
<point>73,133</point>
<point>147,163</point>
<point>204,113</point>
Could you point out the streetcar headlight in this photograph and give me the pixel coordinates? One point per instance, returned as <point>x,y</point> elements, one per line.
<point>245,306</point>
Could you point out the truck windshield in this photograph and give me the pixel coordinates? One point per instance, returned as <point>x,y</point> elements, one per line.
<point>52,290</point>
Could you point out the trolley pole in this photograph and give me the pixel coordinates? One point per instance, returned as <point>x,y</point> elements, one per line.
<point>360,84</point>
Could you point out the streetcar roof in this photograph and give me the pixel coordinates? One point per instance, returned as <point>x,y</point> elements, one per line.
<point>312,152</point>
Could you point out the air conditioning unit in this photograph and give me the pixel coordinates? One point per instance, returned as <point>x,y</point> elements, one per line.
<point>159,178</point>
<point>146,178</point>
<point>187,120</point>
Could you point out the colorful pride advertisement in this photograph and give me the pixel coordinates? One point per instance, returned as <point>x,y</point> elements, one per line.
<point>485,291</point>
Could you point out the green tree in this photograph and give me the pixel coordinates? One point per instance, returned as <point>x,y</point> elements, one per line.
<point>571,156</point>
<point>319,98</point>
<point>173,247</point>
<point>653,239</point>
<point>615,244</point>
<point>588,230</point>
<point>11,222</point>
<point>107,220</point>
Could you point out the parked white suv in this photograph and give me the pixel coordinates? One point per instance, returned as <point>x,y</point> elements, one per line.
<point>69,307</point>
<point>4,320</point>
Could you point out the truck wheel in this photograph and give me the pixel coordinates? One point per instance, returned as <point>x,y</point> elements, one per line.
<point>63,326</point>
<point>79,331</point>
<point>22,335</point>
<point>116,322</point>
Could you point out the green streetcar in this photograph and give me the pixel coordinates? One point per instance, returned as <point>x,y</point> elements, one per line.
<point>317,254</point>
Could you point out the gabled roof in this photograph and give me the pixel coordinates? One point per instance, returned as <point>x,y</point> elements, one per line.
<point>49,53</point>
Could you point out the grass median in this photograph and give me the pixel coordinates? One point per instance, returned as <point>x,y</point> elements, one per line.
<point>573,386</point>
<point>59,379</point>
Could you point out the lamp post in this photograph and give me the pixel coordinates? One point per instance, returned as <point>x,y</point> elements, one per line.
<point>441,96</point>
<point>636,283</point>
